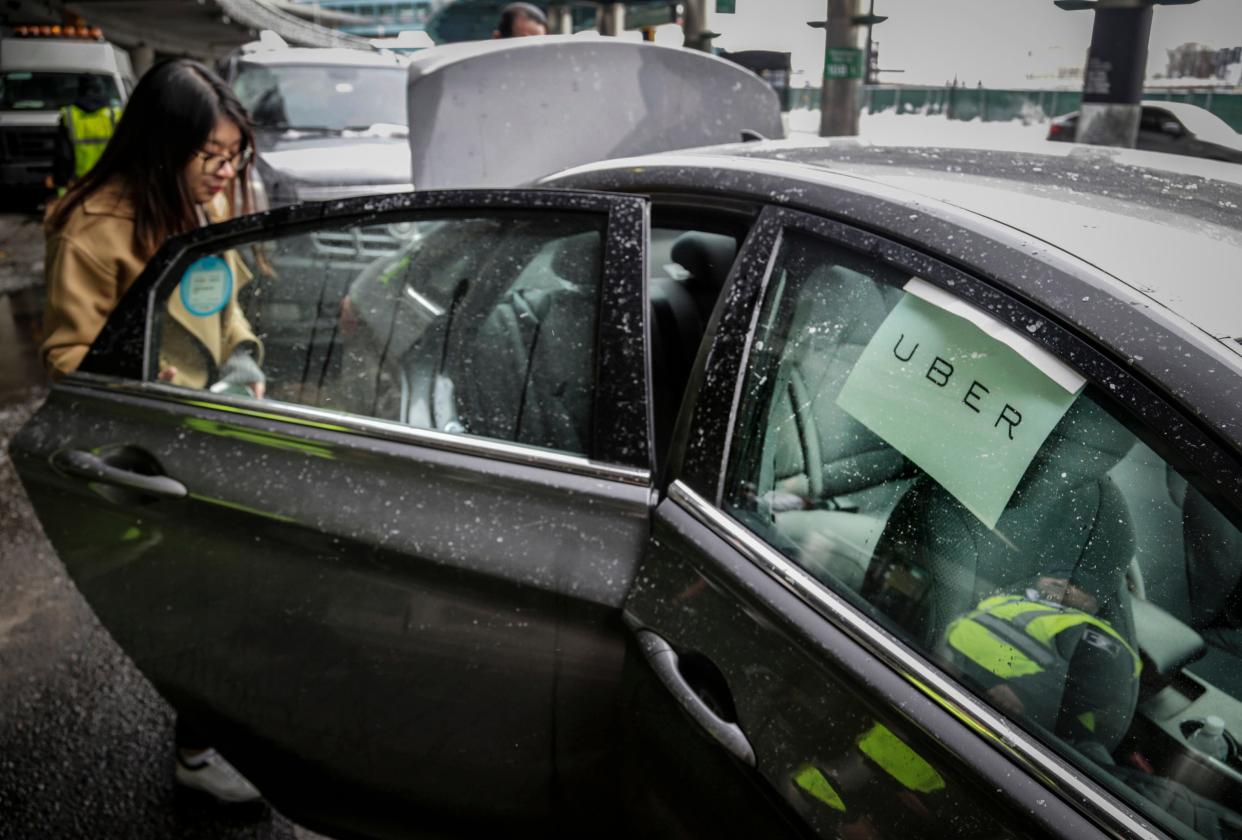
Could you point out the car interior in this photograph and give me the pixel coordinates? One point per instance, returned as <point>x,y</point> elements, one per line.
<point>1097,506</point>
<point>476,325</point>
<point>687,270</point>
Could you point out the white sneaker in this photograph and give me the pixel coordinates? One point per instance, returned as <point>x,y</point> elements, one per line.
<point>210,773</point>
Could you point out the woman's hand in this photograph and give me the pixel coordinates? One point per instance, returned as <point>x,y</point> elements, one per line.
<point>258,389</point>
<point>348,318</point>
<point>167,374</point>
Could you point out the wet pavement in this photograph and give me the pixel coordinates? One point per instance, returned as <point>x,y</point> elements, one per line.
<point>21,305</point>
<point>86,744</point>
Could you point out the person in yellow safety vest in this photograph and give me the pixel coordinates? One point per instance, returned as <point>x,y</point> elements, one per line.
<point>86,126</point>
<point>1045,655</point>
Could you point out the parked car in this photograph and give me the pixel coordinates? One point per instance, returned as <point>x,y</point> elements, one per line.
<point>41,68</point>
<point>329,123</point>
<point>780,488</point>
<point>1177,128</point>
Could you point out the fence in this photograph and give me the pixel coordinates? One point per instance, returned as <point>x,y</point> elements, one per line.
<point>965,103</point>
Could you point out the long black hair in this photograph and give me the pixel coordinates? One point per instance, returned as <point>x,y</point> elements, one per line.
<point>169,118</point>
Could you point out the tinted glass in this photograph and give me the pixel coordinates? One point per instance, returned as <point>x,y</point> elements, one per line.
<point>479,324</point>
<point>983,503</point>
<point>38,91</point>
<point>323,96</point>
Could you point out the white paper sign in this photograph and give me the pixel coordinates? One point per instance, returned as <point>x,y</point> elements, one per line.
<point>960,394</point>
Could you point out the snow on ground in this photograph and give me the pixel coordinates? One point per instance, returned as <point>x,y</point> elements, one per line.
<point>889,127</point>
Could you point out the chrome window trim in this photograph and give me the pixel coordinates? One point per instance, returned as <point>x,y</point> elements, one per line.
<point>355,424</point>
<point>1070,785</point>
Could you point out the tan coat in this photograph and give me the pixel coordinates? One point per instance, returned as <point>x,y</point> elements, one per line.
<point>91,263</point>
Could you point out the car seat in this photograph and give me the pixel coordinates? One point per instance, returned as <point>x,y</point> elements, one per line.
<point>841,478</point>
<point>1066,519</point>
<point>523,370</point>
<point>1214,572</point>
<point>680,310</point>
<point>707,257</point>
<point>1188,562</point>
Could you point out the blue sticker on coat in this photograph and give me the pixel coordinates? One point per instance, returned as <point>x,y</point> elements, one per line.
<point>206,286</point>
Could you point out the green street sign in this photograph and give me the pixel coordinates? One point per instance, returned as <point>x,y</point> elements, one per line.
<point>843,63</point>
<point>726,7</point>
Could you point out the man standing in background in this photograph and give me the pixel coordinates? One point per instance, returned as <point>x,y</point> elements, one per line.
<point>85,128</point>
<point>518,20</point>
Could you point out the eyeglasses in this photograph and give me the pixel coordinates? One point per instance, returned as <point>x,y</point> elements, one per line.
<point>213,163</point>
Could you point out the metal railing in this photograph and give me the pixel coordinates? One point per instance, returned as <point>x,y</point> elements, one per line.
<point>1003,104</point>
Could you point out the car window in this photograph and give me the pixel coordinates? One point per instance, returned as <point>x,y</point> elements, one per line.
<point>476,324</point>
<point>24,90</point>
<point>985,504</point>
<point>1154,119</point>
<point>322,97</point>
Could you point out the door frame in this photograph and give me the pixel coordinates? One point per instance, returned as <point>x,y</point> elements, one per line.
<point>698,484</point>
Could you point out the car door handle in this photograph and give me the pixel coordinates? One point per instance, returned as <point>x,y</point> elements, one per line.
<point>86,465</point>
<point>664,662</point>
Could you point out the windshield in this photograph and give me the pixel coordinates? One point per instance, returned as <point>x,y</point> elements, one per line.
<point>22,90</point>
<point>322,96</point>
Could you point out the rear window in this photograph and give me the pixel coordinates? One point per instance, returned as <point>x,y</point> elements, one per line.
<point>24,90</point>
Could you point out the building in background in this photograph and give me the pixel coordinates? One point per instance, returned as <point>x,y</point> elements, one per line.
<point>1199,61</point>
<point>376,18</point>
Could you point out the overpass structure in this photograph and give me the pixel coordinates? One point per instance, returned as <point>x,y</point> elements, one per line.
<point>209,29</point>
<point>474,20</point>
<point>204,29</point>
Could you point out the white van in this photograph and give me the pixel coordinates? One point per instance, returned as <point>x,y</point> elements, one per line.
<point>39,71</point>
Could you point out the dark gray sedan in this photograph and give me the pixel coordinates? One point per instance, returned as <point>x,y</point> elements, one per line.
<point>810,489</point>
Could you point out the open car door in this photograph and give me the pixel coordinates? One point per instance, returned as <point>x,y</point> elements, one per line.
<point>388,591</point>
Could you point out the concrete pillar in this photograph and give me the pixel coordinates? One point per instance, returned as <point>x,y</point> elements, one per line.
<point>843,71</point>
<point>1113,82</point>
<point>560,20</point>
<point>698,36</point>
<point>612,19</point>
<point>142,57</point>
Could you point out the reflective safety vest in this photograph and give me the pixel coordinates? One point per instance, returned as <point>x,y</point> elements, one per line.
<point>89,132</point>
<point>1013,636</point>
<point>1073,673</point>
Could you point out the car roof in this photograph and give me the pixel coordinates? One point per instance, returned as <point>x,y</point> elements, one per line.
<point>1166,226</point>
<point>308,56</point>
<point>1138,250</point>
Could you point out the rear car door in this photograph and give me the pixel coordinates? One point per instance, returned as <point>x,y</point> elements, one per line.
<point>389,590</point>
<point>903,612</point>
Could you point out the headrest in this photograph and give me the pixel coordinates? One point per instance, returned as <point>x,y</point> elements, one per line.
<point>576,259</point>
<point>707,256</point>
<point>1081,449</point>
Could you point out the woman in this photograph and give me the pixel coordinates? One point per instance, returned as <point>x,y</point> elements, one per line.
<point>179,158</point>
